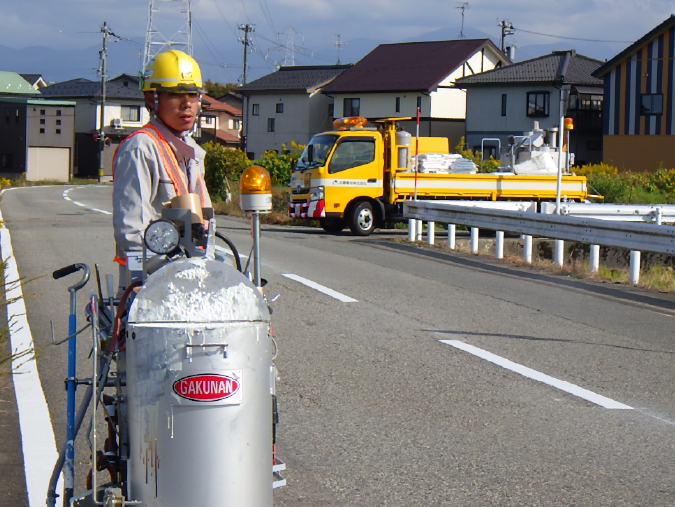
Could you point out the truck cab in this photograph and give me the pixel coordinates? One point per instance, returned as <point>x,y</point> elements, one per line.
<point>339,178</point>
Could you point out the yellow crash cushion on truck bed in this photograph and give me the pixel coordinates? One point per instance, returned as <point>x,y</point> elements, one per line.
<point>430,145</point>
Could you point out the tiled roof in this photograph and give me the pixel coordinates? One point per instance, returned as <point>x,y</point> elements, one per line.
<point>410,66</point>
<point>81,87</point>
<point>609,65</point>
<point>299,78</point>
<point>12,83</point>
<point>211,104</point>
<point>566,65</point>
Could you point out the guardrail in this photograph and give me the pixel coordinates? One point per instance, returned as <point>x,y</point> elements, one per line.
<point>633,236</point>
<point>657,213</point>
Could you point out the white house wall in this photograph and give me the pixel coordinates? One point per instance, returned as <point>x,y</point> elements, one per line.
<point>291,125</point>
<point>485,105</point>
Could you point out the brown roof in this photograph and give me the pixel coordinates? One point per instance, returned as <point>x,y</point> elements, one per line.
<point>409,66</point>
<point>211,104</point>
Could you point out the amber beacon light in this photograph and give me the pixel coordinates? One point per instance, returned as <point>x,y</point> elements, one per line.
<point>255,189</point>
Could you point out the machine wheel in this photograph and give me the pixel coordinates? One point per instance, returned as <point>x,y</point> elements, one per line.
<point>362,221</point>
<point>332,225</point>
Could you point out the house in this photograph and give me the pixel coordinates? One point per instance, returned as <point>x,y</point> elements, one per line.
<point>287,105</point>
<point>219,122</point>
<point>508,101</point>
<point>394,80</point>
<point>35,80</point>
<point>639,105</point>
<point>36,135</point>
<point>123,114</point>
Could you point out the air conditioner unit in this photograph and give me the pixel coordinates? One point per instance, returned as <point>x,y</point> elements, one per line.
<point>116,123</point>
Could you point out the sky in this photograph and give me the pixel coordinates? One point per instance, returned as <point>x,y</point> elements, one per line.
<point>596,28</point>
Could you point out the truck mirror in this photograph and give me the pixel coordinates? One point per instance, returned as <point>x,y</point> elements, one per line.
<point>310,153</point>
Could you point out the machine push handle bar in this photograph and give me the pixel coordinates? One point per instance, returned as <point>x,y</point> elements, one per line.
<point>68,270</point>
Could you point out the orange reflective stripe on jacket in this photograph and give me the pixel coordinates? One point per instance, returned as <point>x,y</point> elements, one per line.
<point>167,155</point>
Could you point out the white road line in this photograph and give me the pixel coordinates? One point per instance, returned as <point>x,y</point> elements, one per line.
<point>541,377</point>
<point>65,196</point>
<point>37,435</point>
<point>321,288</point>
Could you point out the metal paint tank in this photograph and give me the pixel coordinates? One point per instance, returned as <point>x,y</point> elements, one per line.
<point>199,386</point>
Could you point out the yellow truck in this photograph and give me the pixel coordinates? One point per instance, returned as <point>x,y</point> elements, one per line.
<point>359,177</point>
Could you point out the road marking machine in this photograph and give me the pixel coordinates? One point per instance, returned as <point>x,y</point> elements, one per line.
<point>183,374</point>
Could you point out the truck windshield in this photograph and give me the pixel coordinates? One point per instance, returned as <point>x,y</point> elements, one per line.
<point>316,152</point>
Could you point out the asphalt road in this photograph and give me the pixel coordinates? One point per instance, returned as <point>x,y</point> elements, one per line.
<point>376,408</point>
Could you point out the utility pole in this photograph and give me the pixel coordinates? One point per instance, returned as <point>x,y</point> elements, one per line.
<point>161,17</point>
<point>463,6</point>
<point>507,29</point>
<point>246,42</point>
<point>101,124</point>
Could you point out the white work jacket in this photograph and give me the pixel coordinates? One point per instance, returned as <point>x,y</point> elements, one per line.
<point>142,182</point>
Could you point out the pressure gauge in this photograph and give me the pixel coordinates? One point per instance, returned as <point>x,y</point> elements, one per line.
<point>162,237</point>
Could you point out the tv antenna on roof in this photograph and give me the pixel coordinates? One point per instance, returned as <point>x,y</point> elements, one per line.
<point>464,6</point>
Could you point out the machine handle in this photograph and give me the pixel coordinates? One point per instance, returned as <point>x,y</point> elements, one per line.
<point>68,270</point>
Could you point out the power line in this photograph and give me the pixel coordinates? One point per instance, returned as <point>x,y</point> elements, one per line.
<point>572,38</point>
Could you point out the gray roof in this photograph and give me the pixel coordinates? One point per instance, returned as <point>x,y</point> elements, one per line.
<point>298,78</point>
<point>560,66</point>
<point>81,87</point>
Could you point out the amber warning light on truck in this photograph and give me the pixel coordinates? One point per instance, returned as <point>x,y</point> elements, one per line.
<point>349,121</point>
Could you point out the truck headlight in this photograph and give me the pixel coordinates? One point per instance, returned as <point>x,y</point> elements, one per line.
<point>162,237</point>
<point>316,194</point>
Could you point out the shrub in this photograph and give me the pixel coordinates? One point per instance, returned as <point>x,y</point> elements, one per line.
<point>280,165</point>
<point>222,165</point>
<point>489,166</point>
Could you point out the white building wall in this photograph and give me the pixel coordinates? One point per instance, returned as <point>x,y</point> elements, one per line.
<point>484,106</point>
<point>291,125</point>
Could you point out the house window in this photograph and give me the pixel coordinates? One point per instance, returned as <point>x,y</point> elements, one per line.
<point>270,124</point>
<point>6,161</point>
<point>398,104</point>
<point>58,112</point>
<point>58,122</point>
<point>351,107</point>
<point>537,104</point>
<point>208,120</point>
<point>255,109</point>
<point>280,108</point>
<point>42,131</point>
<point>651,103</point>
<point>58,131</point>
<point>503,104</point>
<point>234,124</point>
<point>42,121</point>
<point>43,112</point>
<point>331,110</point>
<point>131,113</point>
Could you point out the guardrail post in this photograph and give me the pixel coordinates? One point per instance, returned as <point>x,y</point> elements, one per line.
<point>411,229</point>
<point>527,248</point>
<point>595,258</point>
<point>659,216</point>
<point>431,232</point>
<point>451,236</point>
<point>559,252</point>
<point>474,240</point>
<point>634,267</point>
<point>418,230</point>
<point>499,245</point>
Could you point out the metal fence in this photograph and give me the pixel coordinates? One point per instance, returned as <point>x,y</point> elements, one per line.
<point>500,217</point>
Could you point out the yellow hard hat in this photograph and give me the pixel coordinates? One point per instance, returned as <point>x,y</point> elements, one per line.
<point>172,71</point>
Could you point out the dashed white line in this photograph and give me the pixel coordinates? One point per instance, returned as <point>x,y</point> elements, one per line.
<point>65,196</point>
<point>321,288</point>
<point>541,377</point>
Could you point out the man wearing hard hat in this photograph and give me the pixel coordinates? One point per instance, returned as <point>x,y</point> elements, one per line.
<point>161,160</point>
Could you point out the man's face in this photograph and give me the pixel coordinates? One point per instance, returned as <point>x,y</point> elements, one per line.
<point>178,111</point>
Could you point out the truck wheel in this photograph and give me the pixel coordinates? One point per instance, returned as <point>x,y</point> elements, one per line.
<point>332,225</point>
<point>362,221</point>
